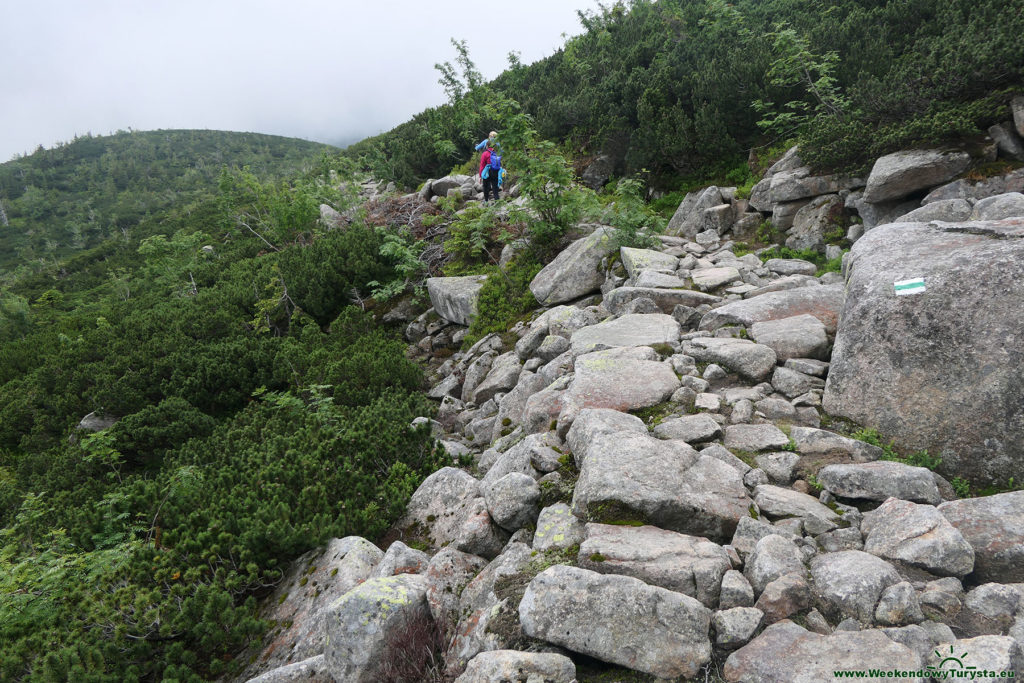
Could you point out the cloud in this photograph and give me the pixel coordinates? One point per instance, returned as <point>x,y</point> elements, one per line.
<point>321,70</point>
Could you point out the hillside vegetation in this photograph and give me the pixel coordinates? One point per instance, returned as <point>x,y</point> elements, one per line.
<point>259,413</point>
<point>72,197</point>
<point>686,89</point>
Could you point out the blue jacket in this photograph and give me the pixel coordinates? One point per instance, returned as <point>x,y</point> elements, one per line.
<point>483,144</point>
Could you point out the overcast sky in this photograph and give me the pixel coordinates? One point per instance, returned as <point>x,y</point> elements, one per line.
<point>332,71</point>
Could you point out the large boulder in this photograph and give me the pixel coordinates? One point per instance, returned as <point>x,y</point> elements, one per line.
<point>788,186</point>
<point>879,481</point>
<point>813,221</point>
<point>938,367</point>
<point>823,302</point>
<point>688,219</point>
<point>618,619</point>
<point>455,298</point>
<point>901,173</point>
<point>788,653</point>
<point>637,477</point>
<point>636,260</point>
<point>299,603</point>
<point>994,526</point>
<point>440,506</point>
<point>620,379</point>
<point>598,172</point>
<point>690,565</point>
<point>918,536</point>
<point>850,583</point>
<point>364,626</point>
<point>575,271</point>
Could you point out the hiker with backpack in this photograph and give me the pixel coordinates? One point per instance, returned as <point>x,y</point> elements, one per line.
<point>491,172</point>
<point>492,137</point>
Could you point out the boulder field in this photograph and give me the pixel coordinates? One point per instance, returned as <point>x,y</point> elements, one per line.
<point>674,467</point>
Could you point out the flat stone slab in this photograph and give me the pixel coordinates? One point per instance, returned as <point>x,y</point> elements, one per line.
<point>782,502</point>
<point>708,279</point>
<point>689,428</point>
<point>636,260</point>
<point>994,526</point>
<point>901,173</point>
<point>606,379</point>
<point>665,299</point>
<point>751,361</point>
<point>636,329</point>
<point>788,653</point>
<point>755,438</point>
<point>455,298</point>
<point>637,477</point>
<point>790,266</point>
<point>653,278</point>
<point>618,619</point>
<point>499,666</point>
<point>811,441</point>
<point>689,565</point>
<point>800,336</point>
<point>879,481</point>
<point>822,301</point>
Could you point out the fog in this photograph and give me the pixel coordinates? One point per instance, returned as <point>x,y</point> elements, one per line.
<point>327,71</point>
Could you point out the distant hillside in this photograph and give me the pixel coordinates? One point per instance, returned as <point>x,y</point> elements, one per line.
<point>72,197</point>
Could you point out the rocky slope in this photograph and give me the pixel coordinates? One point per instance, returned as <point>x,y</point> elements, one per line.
<point>659,477</point>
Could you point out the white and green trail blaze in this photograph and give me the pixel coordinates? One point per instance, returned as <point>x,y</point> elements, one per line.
<point>905,287</point>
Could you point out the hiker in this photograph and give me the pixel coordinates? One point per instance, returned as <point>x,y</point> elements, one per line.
<point>491,171</point>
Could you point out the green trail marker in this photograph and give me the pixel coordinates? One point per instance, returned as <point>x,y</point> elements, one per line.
<point>906,287</point>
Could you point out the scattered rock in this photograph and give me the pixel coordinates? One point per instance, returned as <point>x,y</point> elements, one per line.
<point>822,301</point>
<point>851,582</point>
<point>512,501</point>
<point>801,336</point>
<point>630,476</point>
<point>629,330</point>
<point>751,361</point>
<point>735,627</point>
<point>557,529</point>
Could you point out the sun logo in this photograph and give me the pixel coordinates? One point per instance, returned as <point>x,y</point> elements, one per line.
<point>951,661</point>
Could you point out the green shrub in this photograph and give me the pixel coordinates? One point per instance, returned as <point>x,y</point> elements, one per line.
<point>504,299</point>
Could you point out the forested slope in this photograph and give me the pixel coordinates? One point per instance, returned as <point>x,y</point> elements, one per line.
<point>671,86</point>
<point>59,201</point>
<point>257,412</point>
